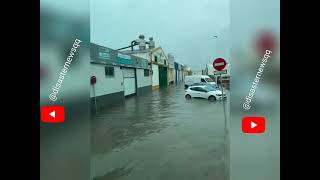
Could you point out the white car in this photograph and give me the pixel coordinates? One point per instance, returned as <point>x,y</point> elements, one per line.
<point>190,80</point>
<point>205,92</point>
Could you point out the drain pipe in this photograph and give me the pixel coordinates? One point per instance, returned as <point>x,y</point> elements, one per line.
<point>133,43</point>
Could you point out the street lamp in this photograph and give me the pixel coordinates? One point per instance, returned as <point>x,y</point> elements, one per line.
<point>224,109</point>
<point>215,77</point>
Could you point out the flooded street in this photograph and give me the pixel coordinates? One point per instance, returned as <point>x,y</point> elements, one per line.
<point>160,136</point>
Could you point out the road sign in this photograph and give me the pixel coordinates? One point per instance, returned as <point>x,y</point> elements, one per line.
<point>220,72</point>
<point>219,64</point>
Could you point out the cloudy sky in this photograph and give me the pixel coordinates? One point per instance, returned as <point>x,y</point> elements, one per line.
<point>181,27</point>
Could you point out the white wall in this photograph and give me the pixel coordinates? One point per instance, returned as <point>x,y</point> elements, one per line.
<point>128,72</point>
<point>105,85</point>
<point>170,71</point>
<point>143,81</point>
<point>155,75</point>
<point>174,75</point>
<point>142,55</point>
<point>161,56</point>
<point>129,86</point>
<point>171,61</point>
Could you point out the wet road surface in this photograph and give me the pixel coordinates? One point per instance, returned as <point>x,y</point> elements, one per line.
<point>160,136</point>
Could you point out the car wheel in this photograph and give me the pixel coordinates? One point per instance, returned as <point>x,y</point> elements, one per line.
<point>188,96</point>
<point>212,98</point>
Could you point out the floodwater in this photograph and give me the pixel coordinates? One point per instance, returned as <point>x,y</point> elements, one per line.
<point>160,136</point>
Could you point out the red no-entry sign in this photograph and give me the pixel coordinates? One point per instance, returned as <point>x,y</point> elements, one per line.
<point>219,64</point>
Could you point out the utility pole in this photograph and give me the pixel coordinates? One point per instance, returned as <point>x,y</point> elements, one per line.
<point>216,54</point>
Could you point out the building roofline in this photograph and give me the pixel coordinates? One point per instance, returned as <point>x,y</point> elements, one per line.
<point>155,49</point>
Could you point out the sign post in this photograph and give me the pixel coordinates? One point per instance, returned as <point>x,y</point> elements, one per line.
<point>219,64</point>
<point>220,72</point>
<point>93,81</point>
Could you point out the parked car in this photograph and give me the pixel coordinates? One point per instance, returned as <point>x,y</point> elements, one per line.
<point>204,91</point>
<point>189,80</point>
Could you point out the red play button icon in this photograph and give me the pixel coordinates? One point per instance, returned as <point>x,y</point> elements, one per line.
<point>52,114</point>
<point>253,125</point>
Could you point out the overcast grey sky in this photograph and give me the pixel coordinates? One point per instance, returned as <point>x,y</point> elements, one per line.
<point>181,27</point>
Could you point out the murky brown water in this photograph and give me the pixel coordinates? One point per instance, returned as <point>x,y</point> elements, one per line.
<point>160,136</point>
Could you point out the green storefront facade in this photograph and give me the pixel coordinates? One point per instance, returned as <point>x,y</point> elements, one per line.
<point>163,76</point>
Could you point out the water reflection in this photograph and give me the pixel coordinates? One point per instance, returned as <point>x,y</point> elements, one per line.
<point>122,124</point>
<point>162,136</point>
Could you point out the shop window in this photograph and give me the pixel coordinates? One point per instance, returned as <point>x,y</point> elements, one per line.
<point>109,71</point>
<point>146,72</point>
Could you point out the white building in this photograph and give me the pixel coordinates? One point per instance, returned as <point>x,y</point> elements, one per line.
<point>117,76</point>
<point>158,62</point>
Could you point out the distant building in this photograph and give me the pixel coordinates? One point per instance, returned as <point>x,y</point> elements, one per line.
<point>158,62</point>
<point>186,71</point>
<point>171,71</point>
<point>178,73</point>
<point>197,72</point>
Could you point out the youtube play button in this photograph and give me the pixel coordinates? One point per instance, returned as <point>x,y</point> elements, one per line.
<point>253,125</point>
<point>52,114</point>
